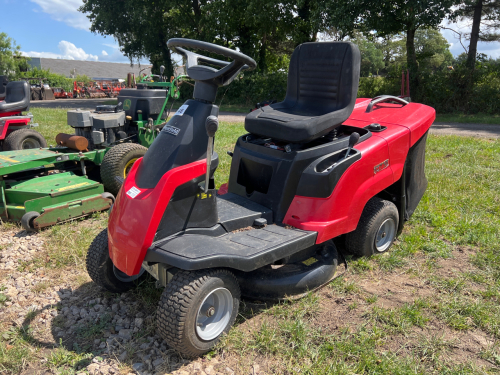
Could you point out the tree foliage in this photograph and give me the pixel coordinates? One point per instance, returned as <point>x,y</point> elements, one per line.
<point>485,16</point>
<point>388,17</point>
<point>10,56</point>
<point>266,30</point>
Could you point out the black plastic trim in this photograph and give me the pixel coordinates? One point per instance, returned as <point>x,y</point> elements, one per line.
<point>317,182</point>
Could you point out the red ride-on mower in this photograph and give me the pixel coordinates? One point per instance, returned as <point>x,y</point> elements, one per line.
<point>317,166</point>
<point>16,131</point>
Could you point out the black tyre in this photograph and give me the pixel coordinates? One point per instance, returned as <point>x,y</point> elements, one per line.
<point>27,221</point>
<point>196,309</point>
<point>24,139</point>
<point>109,196</point>
<point>376,230</point>
<point>102,271</point>
<point>117,163</point>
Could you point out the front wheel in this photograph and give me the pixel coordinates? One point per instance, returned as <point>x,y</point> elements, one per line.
<point>197,308</point>
<point>102,271</point>
<point>376,230</point>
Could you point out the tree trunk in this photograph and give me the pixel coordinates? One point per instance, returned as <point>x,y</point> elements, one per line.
<point>411,60</point>
<point>474,35</point>
<point>262,56</point>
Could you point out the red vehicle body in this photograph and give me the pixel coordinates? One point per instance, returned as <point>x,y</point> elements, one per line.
<point>317,174</point>
<point>134,221</point>
<point>333,216</point>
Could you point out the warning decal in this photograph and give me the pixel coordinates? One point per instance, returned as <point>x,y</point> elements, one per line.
<point>133,192</point>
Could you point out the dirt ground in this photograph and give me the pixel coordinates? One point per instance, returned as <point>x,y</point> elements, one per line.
<point>66,311</point>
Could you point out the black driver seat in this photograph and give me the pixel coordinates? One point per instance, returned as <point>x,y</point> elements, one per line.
<point>321,92</point>
<point>17,98</point>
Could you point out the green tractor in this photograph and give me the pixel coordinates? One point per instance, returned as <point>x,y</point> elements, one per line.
<point>84,172</point>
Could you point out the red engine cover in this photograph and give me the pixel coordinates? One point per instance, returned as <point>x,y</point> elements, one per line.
<point>340,212</point>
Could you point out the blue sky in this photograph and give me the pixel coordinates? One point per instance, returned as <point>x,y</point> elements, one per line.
<point>54,28</point>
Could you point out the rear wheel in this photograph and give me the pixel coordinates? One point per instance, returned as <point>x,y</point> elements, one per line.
<point>376,230</point>
<point>24,139</point>
<point>197,308</point>
<point>117,163</point>
<point>103,272</point>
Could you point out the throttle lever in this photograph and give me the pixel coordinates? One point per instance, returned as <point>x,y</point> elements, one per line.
<point>211,126</point>
<point>353,139</point>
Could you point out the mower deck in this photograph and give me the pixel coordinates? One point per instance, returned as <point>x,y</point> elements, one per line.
<point>234,242</point>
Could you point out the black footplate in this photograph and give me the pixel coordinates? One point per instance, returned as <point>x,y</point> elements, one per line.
<point>236,212</point>
<point>245,250</point>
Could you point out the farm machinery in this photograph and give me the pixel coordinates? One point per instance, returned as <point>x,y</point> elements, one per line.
<point>319,169</point>
<point>84,171</point>
<point>16,129</point>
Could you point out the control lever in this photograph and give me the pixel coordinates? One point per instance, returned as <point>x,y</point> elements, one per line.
<point>353,139</point>
<point>162,69</point>
<point>211,125</point>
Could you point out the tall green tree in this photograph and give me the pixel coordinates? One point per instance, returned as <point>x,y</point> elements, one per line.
<point>372,57</point>
<point>10,56</point>
<point>267,30</point>
<point>386,17</point>
<point>485,16</point>
<point>142,28</point>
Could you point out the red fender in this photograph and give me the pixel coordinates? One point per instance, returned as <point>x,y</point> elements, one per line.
<point>137,213</point>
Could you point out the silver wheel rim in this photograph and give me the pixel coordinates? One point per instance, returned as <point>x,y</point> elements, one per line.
<point>30,143</point>
<point>385,235</point>
<point>214,314</point>
<point>123,277</point>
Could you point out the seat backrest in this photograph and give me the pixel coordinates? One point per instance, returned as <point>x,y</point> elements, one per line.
<point>18,91</point>
<point>323,77</point>
<point>3,85</point>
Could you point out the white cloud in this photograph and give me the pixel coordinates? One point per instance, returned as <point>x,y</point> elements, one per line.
<point>68,51</point>
<point>65,11</point>
<point>104,53</point>
<point>491,49</point>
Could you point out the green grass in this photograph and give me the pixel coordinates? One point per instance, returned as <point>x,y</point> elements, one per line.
<point>479,118</point>
<point>460,210</point>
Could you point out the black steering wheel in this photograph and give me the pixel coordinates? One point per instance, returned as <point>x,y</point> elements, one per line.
<point>221,77</point>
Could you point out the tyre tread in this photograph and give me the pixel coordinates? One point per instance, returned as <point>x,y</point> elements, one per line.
<point>110,167</point>
<point>175,303</point>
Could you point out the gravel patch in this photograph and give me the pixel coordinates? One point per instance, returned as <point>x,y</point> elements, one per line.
<point>117,330</point>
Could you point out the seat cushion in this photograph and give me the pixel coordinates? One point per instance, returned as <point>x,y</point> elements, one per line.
<point>321,92</point>
<point>288,125</point>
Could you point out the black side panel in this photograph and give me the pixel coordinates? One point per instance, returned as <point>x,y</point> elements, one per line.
<point>321,177</point>
<point>182,141</point>
<point>416,182</point>
<point>270,177</point>
<point>198,211</point>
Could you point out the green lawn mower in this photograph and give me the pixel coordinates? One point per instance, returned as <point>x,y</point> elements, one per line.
<point>84,172</point>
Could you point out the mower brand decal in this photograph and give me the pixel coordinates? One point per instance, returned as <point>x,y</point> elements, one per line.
<point>309,261</point>
<point>133,192</point>
<point>181,110</point>
<point>126,104</point>
<point>9,159</point>
<point>172,130</point>
<point>73,186</point>
<point>380,167</point>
